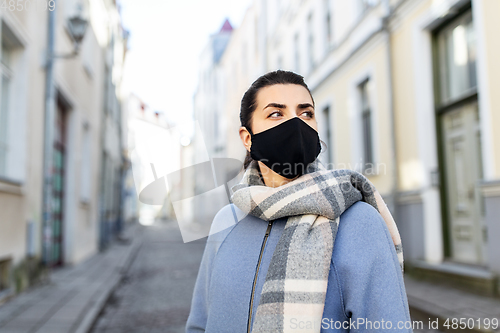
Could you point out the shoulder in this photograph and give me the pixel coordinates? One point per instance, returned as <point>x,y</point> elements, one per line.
<point>362,219</point>
<point>361,210</point>
<point>224,222</point>
<point>362,238</point>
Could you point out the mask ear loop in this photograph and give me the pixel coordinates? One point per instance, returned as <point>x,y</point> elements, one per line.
<point>324,147</point>
<point>323,150</point>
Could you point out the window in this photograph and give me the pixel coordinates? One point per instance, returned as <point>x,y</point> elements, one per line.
<point>107,88</point>
<point>328,22</point>
<point>215,83</point>
<point>457,59</point>
<point>364,93</point>
<point>310,41</point>
<point>5,84</point>
<point>216,126</point>
<point>256,35</point>
<point>117,192</point>
<point>108,182</point>
<point>326,115</point>
<point>244,59</point>
<point>85,180</point>
<point>296,52</point>
<point>234,73</point>
<point>88,52</point>
<point>5,268</point>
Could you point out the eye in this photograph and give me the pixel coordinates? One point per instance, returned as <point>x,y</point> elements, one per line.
<point>311,113</point>
<point>278,112</point>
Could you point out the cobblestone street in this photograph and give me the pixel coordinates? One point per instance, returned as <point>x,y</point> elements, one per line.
<point>155,295</point>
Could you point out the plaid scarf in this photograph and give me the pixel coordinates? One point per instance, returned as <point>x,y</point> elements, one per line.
<point>295,286</point>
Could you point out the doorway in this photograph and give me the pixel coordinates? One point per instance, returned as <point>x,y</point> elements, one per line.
<point>459,135</point>
<point>60,139</point>
<point>461,145</point>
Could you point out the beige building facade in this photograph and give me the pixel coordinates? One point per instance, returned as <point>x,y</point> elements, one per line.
<point>79,105</point>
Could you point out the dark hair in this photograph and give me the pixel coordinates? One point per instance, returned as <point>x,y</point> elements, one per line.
<point>249,100</point>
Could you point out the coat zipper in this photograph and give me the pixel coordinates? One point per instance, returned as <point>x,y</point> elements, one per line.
<point>256,273</point>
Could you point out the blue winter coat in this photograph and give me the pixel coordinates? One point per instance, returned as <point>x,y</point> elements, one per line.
<point>365,282</point>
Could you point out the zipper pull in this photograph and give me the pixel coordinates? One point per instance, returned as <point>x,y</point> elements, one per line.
<point>269,228</point>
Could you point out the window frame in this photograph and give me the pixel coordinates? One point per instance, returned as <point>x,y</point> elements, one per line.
<point>443,98</point>
<point>296,41</point>
<point>310,41</point>
<point>6,73</point>
<point>366,115</point>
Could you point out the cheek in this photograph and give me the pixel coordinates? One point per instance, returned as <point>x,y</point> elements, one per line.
<point>259,125</point>
<point>314,124</point>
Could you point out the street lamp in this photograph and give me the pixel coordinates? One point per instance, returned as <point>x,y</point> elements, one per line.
<point>77,26</point>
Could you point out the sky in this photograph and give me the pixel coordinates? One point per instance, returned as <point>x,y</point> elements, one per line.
<point>167,38</point>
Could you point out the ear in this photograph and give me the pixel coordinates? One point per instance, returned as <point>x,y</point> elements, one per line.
<point>246,138</point>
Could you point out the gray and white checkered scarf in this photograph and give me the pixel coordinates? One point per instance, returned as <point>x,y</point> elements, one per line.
<point>296,281</point>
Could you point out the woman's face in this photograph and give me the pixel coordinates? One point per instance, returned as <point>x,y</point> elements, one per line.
<point>279,103</point>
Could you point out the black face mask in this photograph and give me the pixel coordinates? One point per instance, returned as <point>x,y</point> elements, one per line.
<point>287,148</point>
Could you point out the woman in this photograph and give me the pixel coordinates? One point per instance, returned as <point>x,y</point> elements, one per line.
<point>275,268</point>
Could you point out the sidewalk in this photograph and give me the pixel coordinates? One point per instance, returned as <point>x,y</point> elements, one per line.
<point>440,302</point>
<point>73,298</point>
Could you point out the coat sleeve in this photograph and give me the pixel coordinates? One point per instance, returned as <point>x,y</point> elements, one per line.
<point>197,318</point>
<point>370,277</point>
<point>222,224</point>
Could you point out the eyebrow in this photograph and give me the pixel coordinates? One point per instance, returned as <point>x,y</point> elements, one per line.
<point>282,106</point>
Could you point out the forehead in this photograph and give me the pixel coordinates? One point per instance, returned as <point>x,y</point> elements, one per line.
<point>288,94</point>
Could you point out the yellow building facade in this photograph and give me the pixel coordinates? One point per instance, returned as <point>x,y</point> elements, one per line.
<point>405,92</point>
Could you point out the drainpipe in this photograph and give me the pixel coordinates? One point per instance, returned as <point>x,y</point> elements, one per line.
<point>395,175</point>
<point>49,139</point>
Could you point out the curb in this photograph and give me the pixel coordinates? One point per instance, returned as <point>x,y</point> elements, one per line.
<point>96,309</point>
<point>423,309</point>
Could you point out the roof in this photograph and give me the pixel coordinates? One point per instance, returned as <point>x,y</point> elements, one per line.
<point>226,27</point>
